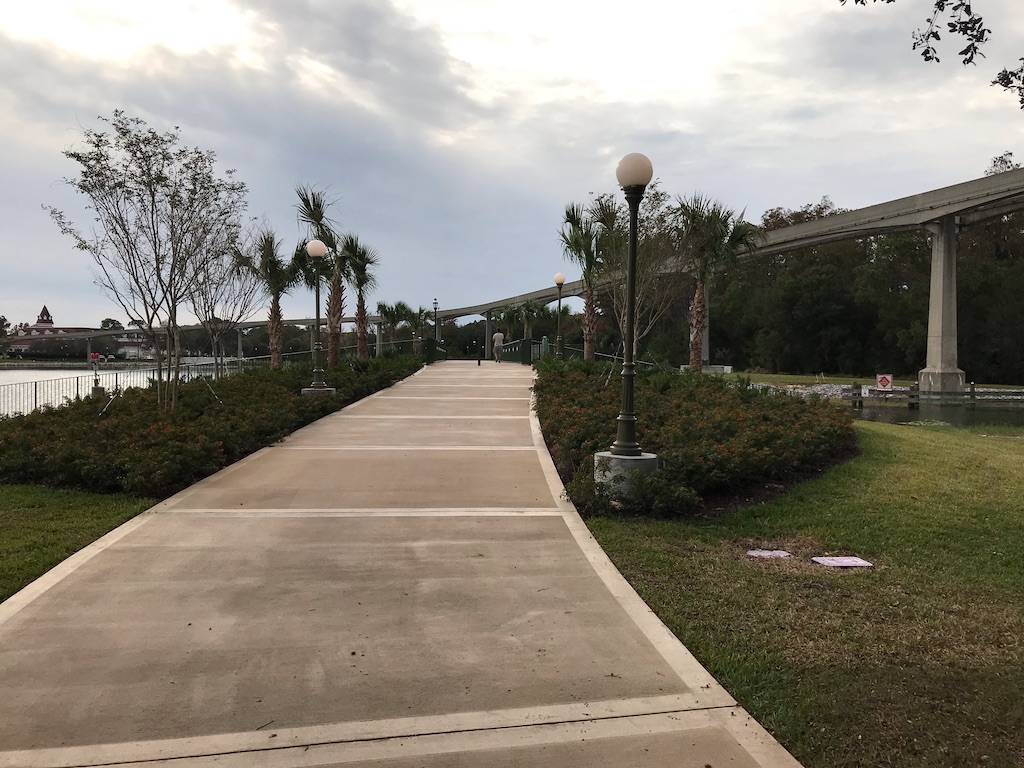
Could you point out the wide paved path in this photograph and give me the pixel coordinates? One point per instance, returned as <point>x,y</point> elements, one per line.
<point>399,584</point>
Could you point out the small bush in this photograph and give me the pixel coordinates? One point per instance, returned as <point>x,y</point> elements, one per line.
<point>134,448</point>
<point>712,437</point>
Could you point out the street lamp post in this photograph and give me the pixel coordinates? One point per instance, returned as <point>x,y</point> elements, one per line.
<point>634,173</point>
<point>437,331</point>
<point>317,250</point>
<point>559,281</point>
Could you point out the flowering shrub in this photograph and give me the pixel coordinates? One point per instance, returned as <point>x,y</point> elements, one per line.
<point>134,448</point>
<point>712,436</point>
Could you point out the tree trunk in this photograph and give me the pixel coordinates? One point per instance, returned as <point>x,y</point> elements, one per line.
<point>174,376</point>
<point>335,311</point>
<point>362,347</point>
<point>589,327</point>
<point>698,320</point>
<point>275,330</point>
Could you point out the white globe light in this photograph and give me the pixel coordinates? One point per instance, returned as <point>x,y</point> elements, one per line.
<point>316,249</point>
<point>634,170</point>
<point>559,279</point>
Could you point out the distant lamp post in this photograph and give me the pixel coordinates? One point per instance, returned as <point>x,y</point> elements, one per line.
<point>317,250</point>
<point>559,281</point>
<point>437,330</point>
<point>634,173</point>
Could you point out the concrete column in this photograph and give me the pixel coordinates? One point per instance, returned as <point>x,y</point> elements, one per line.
<point>380,338</point>
<point>941,373</point>
<point>488,333</point>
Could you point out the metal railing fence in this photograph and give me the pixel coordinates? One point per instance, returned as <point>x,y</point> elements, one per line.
<point>31,395</point>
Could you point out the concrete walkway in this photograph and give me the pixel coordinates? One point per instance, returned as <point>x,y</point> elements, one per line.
<point>399,584</point>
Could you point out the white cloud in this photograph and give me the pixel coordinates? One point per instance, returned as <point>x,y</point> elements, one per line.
<point>453,132</point>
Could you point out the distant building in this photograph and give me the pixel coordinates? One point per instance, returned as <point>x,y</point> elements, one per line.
<point>131,343</point>
<point>42,330</point>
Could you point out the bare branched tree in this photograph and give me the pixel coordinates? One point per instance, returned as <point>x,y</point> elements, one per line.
<point>658,280</point>
<point>224,295</point>
<point>159,212</point>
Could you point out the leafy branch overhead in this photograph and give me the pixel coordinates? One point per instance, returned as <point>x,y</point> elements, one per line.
<point>962,21</point>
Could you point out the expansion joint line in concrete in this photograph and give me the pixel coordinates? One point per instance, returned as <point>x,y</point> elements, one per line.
<point>378,732</point>
<point>358,448</point>
<point>432,398</point>
<point>377,512</point>
<point>382,417</point>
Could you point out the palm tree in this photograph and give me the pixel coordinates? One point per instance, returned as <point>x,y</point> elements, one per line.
<point>418,318</point>
<point>529,311</point>
<point>361,260</point>
<point>312,207</point>
<point>708,237</point>
<point>393,316</point>
<point>511,315</point>
<point>276,277</point>
<point>579,242</point>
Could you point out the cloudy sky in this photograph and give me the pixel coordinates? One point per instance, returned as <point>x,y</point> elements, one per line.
<point>451,133</point>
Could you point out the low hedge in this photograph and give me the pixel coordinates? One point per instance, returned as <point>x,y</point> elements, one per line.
<point>713,437</point>
<point>133,448</point>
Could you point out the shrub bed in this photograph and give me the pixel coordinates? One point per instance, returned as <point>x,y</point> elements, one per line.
<point>133,448</point>
<point>713,436</point>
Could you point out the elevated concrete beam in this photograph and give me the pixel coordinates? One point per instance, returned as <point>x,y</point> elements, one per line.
<point>976,200</point>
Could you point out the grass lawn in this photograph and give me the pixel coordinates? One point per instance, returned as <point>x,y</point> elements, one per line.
<point>782,379</point>
<point>916,662</point>
<point>40,527</point>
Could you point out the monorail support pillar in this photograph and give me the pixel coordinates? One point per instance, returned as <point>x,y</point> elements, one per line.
<point>488,333</point>
<point>941,374</point>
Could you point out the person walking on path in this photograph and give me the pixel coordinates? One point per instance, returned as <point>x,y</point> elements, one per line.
<point>497,340</point>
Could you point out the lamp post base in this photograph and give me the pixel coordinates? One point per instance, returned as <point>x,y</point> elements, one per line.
<point>318,390</point>
<point>616,470</point>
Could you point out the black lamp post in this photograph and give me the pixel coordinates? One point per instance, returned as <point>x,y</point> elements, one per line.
<point>559,281</point>
<point>317,250</point>
<point>634,173</point>
<point>437,330</point>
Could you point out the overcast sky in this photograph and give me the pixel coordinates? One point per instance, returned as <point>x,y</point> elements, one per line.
<point>452,133</point>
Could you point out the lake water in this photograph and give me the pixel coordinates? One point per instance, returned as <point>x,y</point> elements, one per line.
<point>22,375</point>
<point>955,415</point>
<point>24,389</point>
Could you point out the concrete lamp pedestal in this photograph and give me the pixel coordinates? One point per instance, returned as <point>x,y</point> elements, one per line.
<point>617,471</point>
<point>318,390</point>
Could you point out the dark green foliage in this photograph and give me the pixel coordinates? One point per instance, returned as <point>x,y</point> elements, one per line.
<point>861,307</point>
<point>712,436</point>
<point>135,449</point>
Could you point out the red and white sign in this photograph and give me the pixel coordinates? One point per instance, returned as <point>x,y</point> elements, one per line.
<point>883,382</point>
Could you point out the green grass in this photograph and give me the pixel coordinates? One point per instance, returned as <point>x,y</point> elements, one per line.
<point>805,380</point>
<point>836,378</point>
<point>916,662</point>
<point>41,527</point>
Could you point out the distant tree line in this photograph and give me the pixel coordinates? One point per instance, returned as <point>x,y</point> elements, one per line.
<point>857,307</point>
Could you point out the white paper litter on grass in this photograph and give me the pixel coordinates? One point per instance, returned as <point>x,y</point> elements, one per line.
<point>843,562</point>
<point>768,553</point>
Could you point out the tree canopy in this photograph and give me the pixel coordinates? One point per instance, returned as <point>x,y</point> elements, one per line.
<point>159,213</point>
<point>960,21</point>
